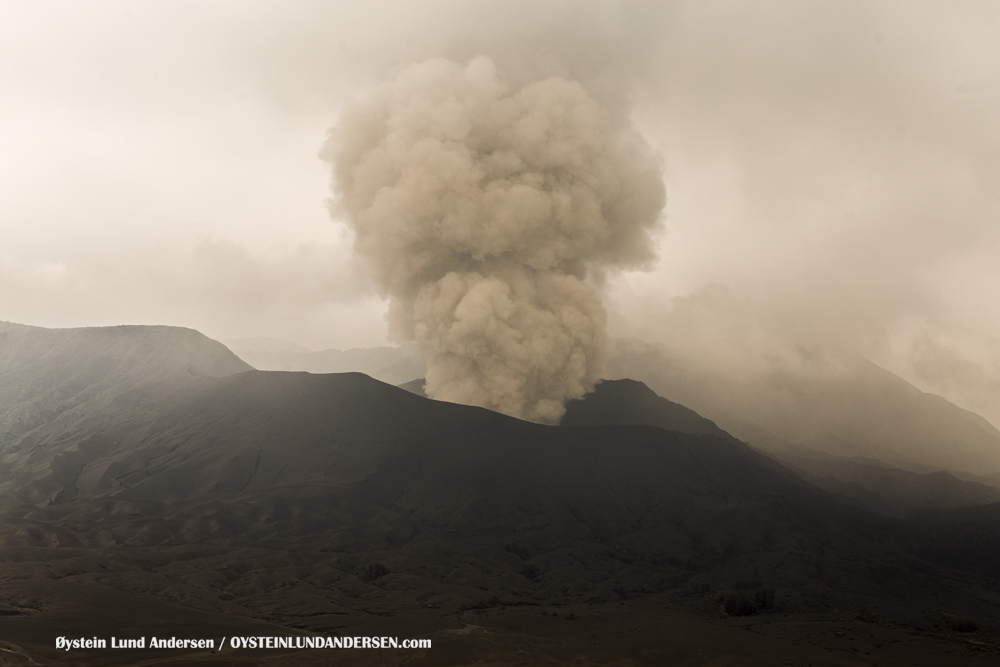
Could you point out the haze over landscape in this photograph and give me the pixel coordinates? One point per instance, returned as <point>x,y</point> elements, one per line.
<point>672,324</point>
<point>826,167</point>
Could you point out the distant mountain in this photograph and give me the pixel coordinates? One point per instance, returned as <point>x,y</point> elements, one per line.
<point>50,378</point>
<point>263,344</point>
<point>393,365</point>
<point>842,405</point>
<point>863,482</point>
<point>881,488</point>
<point>415,387</point>
<point>989,480</point>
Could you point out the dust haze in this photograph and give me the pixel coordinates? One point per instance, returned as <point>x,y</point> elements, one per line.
<point>828,168</point>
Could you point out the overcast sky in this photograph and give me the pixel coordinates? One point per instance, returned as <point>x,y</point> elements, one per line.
<point>832,169</point>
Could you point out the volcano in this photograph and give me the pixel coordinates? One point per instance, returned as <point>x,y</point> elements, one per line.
<point>154,484</point>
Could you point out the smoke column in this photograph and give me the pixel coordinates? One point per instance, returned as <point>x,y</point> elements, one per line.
<point>482,210</point>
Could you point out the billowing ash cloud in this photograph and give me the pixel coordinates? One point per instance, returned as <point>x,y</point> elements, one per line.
<point>482,209</point>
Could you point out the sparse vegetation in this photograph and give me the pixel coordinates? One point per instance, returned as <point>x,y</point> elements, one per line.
<point>744,599</point>
<point>866,615</point>
<point>764,598</point>
<point>960,624</point>
<point>681,563</point>
<point>374,571</point>
<point>738,603</point>
<point>700,587</point>
<point>517,550</point>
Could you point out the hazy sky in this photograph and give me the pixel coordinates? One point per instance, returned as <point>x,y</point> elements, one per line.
<point>832,169</point>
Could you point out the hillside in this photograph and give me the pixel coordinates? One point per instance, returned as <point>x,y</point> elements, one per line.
<point>297,503</point>
<point>881,488</point>
<point>58,382</point>
<point>631,403</point>
<point>841,405</point>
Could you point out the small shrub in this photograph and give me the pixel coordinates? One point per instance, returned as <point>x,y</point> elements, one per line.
<point>764,598</point>
<point>530,572</point>
<point>486,604</point>
<point>373,571</point>
<point>738,603</point>
<point>960,624</point>
<point>517,550</point>
<point>866,615</point>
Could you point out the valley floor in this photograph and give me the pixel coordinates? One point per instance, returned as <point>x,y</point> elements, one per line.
<point>674,628</point>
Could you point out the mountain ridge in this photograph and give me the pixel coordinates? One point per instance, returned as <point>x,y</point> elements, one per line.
<point>834,402</point>
<point>316,503</point>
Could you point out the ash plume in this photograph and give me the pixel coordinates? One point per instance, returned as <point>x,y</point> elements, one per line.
<point>486,213</point>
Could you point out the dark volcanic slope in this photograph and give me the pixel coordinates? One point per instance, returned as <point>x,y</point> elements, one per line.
<point>631,403</point>
<point>315,502</point>
<point>347,464</point>
<point>865,483</point>
<point>246,436</point>
<point>840,404</point>
<point>881,488</point>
